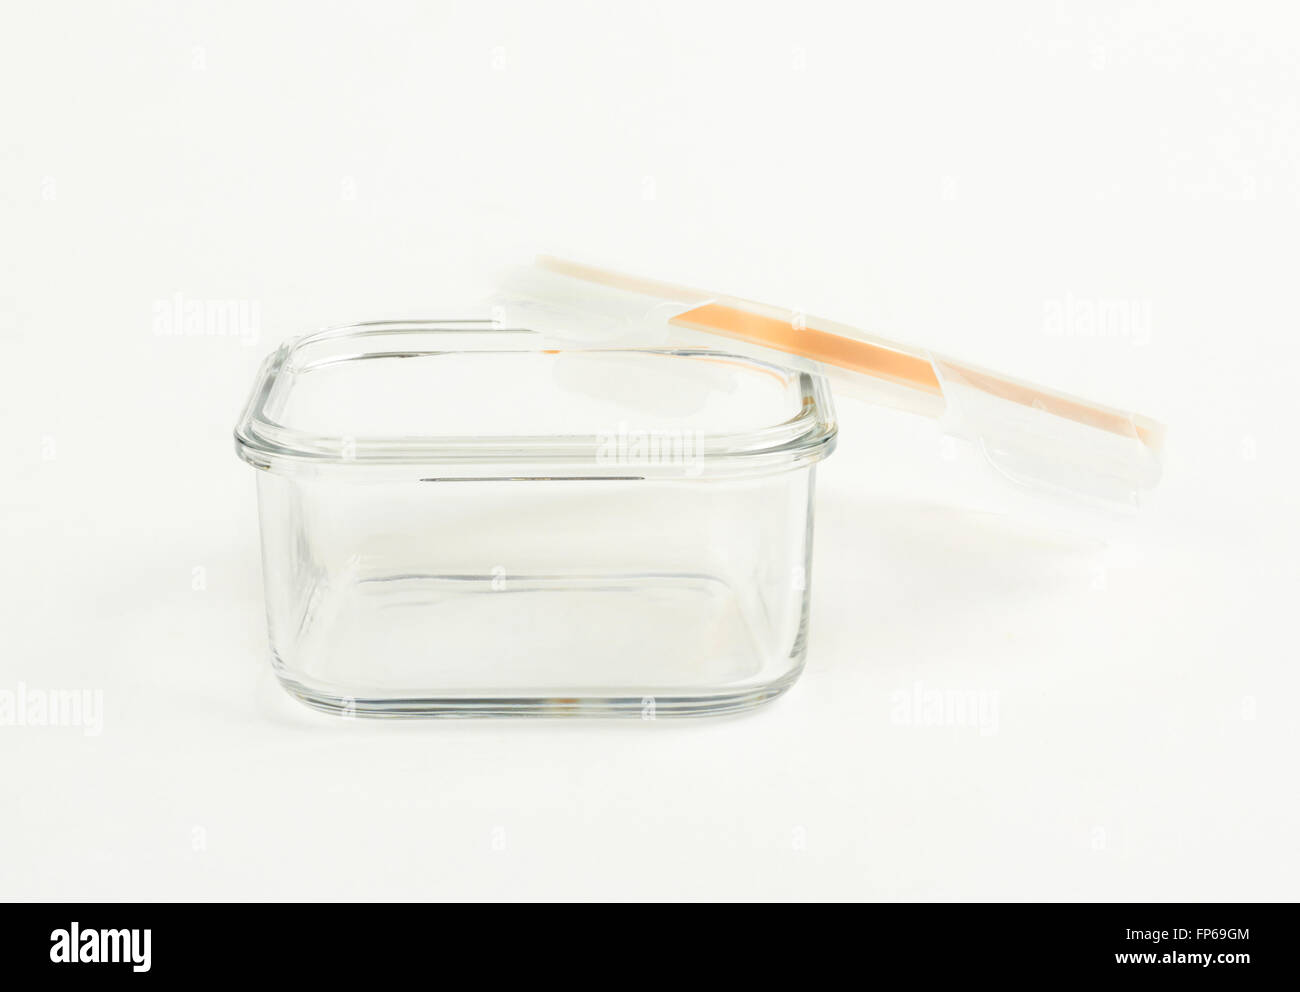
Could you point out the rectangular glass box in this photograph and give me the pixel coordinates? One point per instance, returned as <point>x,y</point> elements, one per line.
<point>460,520</point>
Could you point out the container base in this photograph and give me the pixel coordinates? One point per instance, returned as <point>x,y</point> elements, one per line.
<point>642,645</point>
<point>626,707</point>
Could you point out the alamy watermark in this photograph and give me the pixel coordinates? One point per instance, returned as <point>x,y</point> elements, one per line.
<point>627,446</point>
<point>924,706</point>
<point>1083,317</point>
<point>182,316</point>
<point>26,706</point>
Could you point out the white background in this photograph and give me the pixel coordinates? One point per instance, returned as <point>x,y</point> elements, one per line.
<point>940,173</point>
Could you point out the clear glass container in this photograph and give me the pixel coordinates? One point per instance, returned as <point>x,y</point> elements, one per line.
<point>459,520</point>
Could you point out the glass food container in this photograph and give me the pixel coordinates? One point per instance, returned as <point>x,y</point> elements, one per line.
<point>460,520</point>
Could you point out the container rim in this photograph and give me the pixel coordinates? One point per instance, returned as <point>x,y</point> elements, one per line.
<point>265,443</point>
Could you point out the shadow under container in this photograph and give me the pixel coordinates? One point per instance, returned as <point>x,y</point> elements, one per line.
<point>463,521</point>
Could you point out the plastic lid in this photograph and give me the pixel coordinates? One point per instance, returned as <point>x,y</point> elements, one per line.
<point>1036,438</point>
